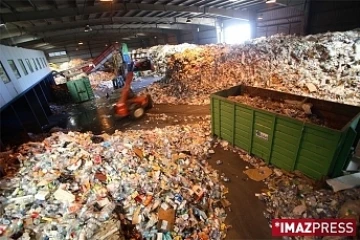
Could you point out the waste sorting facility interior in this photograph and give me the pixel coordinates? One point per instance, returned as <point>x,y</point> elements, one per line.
<point>34,35</point>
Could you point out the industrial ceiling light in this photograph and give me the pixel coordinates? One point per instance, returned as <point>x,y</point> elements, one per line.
<point>155,37</point>
<point>188,20</point>
<point>106,0</point>
<point>116,42</point>
<point>106,45</point>
<point>198,29</point>
<point>271,1</point>
<point>87,28</point>
<point>80,43</point>
<point>260,17</point>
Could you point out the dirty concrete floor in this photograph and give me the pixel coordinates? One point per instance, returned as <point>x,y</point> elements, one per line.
<point>246,215</point>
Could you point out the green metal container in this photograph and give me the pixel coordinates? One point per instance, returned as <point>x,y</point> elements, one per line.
<point>286,142</point>
<point>80,90</point>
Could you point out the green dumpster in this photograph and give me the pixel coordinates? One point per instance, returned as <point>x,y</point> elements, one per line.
<point>285,142</point>
<point>80,90</point>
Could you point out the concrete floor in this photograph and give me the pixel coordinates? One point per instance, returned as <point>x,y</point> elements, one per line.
<point>246,215</point>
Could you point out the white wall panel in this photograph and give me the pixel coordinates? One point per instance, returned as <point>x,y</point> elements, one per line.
<point>11,90</point>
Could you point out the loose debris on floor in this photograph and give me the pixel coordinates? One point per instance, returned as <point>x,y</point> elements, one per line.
<point>293,109</point>
<point>157,182</point>
<point>324,66</point>
<point>293,195</point>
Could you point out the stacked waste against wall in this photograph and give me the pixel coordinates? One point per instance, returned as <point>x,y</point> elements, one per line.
<point>325,66</point>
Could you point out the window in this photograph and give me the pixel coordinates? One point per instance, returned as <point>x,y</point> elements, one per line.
<point>14,68</point>
<point>36,67</point>
<point>237,33</point>
<point>45,64</point>
<point>57,54</point>
<point>29,65</point>
<point>23,66</point>
<point>3,75</point>
<point>38,62</point>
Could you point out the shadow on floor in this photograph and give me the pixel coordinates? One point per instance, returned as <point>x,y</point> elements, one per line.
<point>246,216</point>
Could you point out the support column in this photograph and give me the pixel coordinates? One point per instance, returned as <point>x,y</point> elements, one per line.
<point>253,25</point>
<point>178,38</point>
<point>307,17</point>
<point>90,50</point>
<point>219,31</point>
<point>195,34</point>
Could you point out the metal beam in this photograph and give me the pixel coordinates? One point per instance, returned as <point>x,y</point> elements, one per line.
<point>95,22</point>
<point>8,6</point>
<point>80,29</point>
<point>239,4</point>
<point>73,41</point>
<point>101,8</point>
<point>99,24</point>
<point>33,5</point>
<point>60,35</point>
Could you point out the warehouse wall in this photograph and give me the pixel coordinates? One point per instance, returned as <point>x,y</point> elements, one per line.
<point>207,35</point>
<point>288,20</point>
<point>187,37</point>
<point>21,82</point>
<point>93,49</point>
<point>333,16</point>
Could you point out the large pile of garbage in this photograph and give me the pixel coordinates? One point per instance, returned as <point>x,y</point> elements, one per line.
<point>292,195</point>
<point>98,77</point>
<point>157,182</point>
<point>294,109</point>
<point>162,54</point>
<point>72,63</point>
<point>324,66</point>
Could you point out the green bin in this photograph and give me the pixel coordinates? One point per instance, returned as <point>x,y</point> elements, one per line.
<point>80,90</point>
<point>285,142</point>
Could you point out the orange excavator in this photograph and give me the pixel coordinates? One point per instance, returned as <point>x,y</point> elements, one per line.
<point>129,103</point>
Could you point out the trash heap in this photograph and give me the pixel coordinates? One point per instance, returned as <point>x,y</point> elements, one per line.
<point>292,195</point>
<point>100,78</point>
<point>294,109</point>
<point>156,181</point>
<point>161,55</point>
<point>324,66</point>
<point>72,63</point>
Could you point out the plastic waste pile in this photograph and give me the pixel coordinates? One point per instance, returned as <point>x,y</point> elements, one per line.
<point>72,63</point>
<point>295,196</point>
<point>162,54</point>
<point>99,77</point>
<point>324,66</point>
<point>290,108</point>
<point>157,182</point>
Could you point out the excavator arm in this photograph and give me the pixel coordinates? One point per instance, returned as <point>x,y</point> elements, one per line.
<point>122,104</point>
